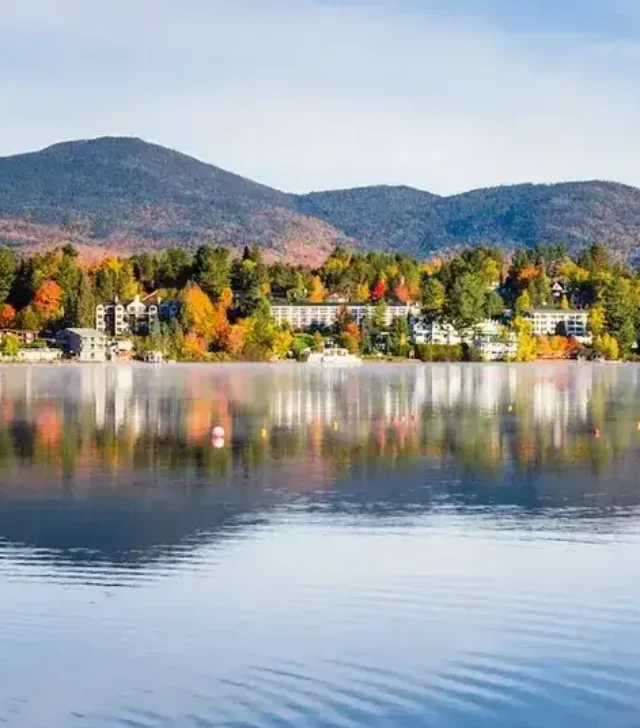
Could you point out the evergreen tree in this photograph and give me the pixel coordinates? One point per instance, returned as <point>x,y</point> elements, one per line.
<point>400,337</point>
<point>82,311</point>
<point>366,336</point>
<point>7,273</point>
<point>433,297</point>
<point>621,312</point>
<point>493,305</point>
<point>212,270</point>
<point>465,301</point>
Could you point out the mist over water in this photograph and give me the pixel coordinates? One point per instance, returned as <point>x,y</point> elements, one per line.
<point>389,546</point>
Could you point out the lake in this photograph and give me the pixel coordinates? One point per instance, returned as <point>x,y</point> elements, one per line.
<point>397,546</point>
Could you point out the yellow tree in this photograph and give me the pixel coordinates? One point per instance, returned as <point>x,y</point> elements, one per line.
<point>362,293</point>
<point>318,292</point>
<point>523,303</point>
<point>194,347</point>
<point>526,340</point>
<point>431,267</point>
<point>220,323</point>
<point>281,346</point>
<point>199,314</point>
<point>597,320</point>
<point>491,271</point>
<point>608,346</point>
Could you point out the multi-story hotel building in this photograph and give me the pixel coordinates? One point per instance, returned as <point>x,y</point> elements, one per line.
<point>136,317</point>
<point>552,321</point>
<point>305,316</point>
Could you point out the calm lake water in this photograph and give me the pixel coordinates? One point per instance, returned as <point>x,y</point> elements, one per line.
<point>389,546</point>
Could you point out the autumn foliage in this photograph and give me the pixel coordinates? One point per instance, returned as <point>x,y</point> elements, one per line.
<point>220,326</point>
<point>379,291</point>
<point>402,293</point>
<point>199,313</point>
<point>194,347</point>
<point>556,347</point>
<point>47,302</point>
<point>362,293</point>
<point>236,337</point>
<point>317,293</point>
<point>529,273</point>
<point>7,316</point>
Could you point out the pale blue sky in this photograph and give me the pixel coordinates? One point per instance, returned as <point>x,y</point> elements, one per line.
<point>445,95</point>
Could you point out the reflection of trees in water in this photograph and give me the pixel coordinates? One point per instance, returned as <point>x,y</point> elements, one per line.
<point>153,424</point>
<point>118,466</point>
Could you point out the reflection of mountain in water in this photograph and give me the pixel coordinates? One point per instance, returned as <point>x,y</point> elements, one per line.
<point>117,463</point>
<point>120,529</point>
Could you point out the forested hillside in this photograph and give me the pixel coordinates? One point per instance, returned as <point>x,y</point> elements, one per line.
<point>122,194</point>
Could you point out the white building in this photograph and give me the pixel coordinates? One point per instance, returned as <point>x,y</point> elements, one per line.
<point>497,348</point>
<point>84,344</point>
<point>557,291</point>
<point>154,357</point>
<point>35,356</point>
<point>553,321</point>
<point>135,317</point>
<point>438,332</point>
<point>435,332</point>
<point>305,316</point>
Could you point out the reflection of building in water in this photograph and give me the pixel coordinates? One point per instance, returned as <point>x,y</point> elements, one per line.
<point>339,396</point>
<point>119,398</point>
<point>329,396</point>
<point>482,387</point>
<point>111,390</point>
<point>483,418</point>
<point>555,399</point>
<point>293,407</point>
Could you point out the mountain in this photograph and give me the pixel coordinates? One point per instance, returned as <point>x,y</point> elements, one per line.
<point>521,215</point>
<point>123,194</point>
<point>385,218</point>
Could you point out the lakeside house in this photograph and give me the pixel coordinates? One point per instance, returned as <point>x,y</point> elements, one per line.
<point>43,355</point>
<point>557,290</point>
<point>489,337</point>
<point>154,357</point>
<point>24,337</point>
<point>497,348</point>
<point>136,317</point>
<point>83,344</point>
<point>445,334</point>
<point>304,316</point>
<point>121,350</point>
<point>554,321</point>
<point>435,332</point>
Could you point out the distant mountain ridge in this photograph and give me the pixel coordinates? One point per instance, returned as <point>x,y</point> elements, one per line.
<point>124,194</point>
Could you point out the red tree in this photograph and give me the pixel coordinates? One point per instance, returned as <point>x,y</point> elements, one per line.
<point>379,290</point>
<point>47,301</point>
<point>7,316</point>
<point>401,293</point>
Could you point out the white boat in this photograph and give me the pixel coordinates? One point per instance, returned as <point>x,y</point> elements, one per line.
<point>335,357</point>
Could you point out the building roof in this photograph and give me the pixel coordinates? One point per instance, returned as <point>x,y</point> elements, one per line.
<point>86,332</point>
<point>336,304</point>
<point>551,309</point>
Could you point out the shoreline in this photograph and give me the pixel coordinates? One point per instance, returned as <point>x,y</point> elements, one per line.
<point>293,363</point>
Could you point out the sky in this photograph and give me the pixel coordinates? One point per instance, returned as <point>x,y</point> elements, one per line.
<point>443,95</point>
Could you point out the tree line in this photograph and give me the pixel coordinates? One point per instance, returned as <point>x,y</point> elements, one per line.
<point>225,300</point>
